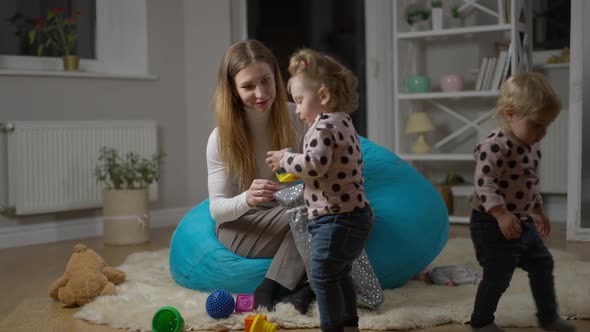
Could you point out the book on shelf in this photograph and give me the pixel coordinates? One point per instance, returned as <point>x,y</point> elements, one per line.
<point>499,70</point>
<point>507,65</point>
<point>482,70</point>
<point>489,73</point>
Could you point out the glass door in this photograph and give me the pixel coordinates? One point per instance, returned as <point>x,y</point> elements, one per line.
<point>333,26</point>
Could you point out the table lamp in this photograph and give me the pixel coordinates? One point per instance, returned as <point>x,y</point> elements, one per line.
<point>419,123</point>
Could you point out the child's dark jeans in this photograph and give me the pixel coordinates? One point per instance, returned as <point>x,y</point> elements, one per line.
<point>499,257</point>
<point>337,241</point>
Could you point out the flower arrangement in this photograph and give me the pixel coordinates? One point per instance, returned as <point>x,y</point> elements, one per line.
<point>56,30</point>
<point>129,172</point>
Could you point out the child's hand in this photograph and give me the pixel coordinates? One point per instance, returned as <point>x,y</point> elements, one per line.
<point>509,224</point>
<point>273,159</point>
<point>542,223</point>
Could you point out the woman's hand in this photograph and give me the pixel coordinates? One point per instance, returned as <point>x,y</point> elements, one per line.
<point>273,159</point>
<point>509,224</point>
<point>261,191</point>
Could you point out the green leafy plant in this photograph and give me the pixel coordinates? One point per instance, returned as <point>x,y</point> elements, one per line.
<point>417,15</point>
<point>455,12</point>
<point>55,31</point>
<point>453,179</point>
<point>436,4</point>
<point>22,25</point>
<point>129,172</point>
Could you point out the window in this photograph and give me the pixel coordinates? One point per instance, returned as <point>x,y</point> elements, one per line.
<point>120,43</point>
<point>18,18</point>
<point>551,24</point>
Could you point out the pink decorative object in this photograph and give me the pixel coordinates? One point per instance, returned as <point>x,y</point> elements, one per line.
<point>451,82</point>
<point>244,303</point>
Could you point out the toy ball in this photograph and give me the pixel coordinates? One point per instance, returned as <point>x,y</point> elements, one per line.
<point>220,304</point>
<point>167,319</point>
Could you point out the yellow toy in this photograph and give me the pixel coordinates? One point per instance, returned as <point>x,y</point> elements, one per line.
<point>258,323</point>
<point>286,177</point>
<point>86,277</point>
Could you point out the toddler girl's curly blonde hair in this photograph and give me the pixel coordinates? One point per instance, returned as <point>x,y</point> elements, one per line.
<point>324,70</point>
<point>526,94</point>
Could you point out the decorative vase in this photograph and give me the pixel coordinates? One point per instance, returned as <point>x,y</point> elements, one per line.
<point>451,82</point>
<point>71,62</point>
<point>447,195</point>
<point>126,217</point>
<point>418,84</point>
<point>437,18</point>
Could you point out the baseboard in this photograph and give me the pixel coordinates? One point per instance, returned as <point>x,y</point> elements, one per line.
<point>17,236</point>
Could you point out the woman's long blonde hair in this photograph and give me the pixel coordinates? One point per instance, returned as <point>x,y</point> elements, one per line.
<point>236,146</point>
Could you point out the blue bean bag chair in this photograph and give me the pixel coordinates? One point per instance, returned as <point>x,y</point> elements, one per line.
<point>411,228</point>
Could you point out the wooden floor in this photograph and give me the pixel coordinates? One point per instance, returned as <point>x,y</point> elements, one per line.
<point>27,272</point>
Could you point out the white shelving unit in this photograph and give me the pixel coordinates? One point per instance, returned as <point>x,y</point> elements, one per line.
<point>460,118</point>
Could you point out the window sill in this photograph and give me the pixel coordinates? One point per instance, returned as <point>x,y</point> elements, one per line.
<point>78,74</point>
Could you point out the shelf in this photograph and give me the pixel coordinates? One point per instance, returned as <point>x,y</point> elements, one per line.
<point>462,190</point>
<point>437,156</point>
<point>77,74</point>
<point>554,65</point>
<point>459,220</point>
<point>454,31</point>
<point>445,95</point>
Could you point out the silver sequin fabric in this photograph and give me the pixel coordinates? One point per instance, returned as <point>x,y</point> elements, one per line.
<point>369,291</point>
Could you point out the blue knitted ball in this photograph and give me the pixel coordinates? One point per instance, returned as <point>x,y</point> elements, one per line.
<point>220,304</point>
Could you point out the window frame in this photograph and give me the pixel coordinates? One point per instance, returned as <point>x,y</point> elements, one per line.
<point>121,44</point>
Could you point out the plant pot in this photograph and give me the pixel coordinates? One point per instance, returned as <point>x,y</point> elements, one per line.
<point>447,195</point>
<point>126,217</point>
<point>71,62</point>
<point>437,18</point>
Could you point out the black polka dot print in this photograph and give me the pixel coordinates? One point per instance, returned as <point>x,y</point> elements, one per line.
<point>334,146</point>
<point>505,173</point>
<point>289,160</point>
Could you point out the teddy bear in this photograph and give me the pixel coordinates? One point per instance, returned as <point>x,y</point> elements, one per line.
<point>87,276</point>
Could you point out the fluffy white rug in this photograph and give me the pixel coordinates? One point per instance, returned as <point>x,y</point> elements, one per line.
<point>149,286</point>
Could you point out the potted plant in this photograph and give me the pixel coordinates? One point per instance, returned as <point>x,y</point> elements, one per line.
<point>437,15</point>
<point>417,18</point>
<point>126,194</point>
<point>445,190</point>
<point>456,18</point>
<point>57,31</point>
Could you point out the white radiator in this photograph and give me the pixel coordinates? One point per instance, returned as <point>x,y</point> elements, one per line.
<point>553,168</point>
<point>51,163</point>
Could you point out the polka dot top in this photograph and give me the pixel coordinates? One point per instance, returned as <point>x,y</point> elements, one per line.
<point>506,174</point>
<point>331,166</point>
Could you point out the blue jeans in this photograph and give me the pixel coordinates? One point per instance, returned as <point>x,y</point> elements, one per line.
<point>337,241</point>
<point>499,257</point>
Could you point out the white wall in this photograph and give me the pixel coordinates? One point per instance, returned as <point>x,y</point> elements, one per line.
<point>586,121</point>
<point>186,41</point>
<point>207,35</point>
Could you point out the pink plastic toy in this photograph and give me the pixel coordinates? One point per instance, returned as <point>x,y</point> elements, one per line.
<point>244,302</point>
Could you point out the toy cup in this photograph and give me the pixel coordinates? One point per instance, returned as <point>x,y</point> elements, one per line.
<point>167,319</point>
